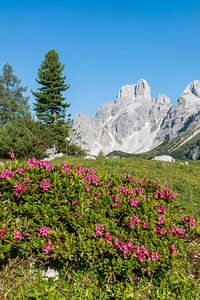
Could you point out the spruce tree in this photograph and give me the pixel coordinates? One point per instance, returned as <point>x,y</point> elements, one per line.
<point>12,102</point>
<point>50,105</point>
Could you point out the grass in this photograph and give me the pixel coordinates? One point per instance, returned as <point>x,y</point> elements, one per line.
<point>18,280</point>
<point>183,179</point>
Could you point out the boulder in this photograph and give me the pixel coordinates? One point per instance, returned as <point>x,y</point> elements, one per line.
<point>166,158</point>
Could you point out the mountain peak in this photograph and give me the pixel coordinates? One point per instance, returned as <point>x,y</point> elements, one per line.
<point>193,88</point>
<point>140,89</point>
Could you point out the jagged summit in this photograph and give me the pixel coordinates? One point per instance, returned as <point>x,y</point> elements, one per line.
<point>141,88</point>
<point>134,122</point>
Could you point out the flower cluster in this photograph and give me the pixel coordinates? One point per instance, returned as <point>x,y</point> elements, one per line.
<point>18,188</point>
<point>98,230</point>
<point>43,231</point>
<point>45,185</point>
<point>190,220</point>
<point>6,174</point>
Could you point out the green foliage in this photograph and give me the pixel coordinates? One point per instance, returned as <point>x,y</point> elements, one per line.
<point>73,203</point>
<point>25,138</point>
<point>12,102</point>
<point>50,105</point>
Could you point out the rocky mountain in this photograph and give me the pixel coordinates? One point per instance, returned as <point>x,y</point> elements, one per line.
<point>136,123</point>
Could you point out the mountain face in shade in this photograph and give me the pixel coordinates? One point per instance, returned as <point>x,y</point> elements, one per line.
<point>136,123</point>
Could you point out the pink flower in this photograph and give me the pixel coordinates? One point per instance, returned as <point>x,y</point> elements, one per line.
<point>159,230</point>
<point>74,202</point>
<point>45,185</point>
<point>192,222</point>
<point>107,237</point>
<point>144,224</point>
<point>185,218</point>
<point>172,249</point>
<point>18,188</point>
<point>122,189</point>
<point>98,230</point>
<point>17,235</point>
<point>161,208</point>
<point>116,244</point>
<point>43,231</point>
<point>47,247</point>
<point>134,220</point>
<point>26,179</point>
<point>11,155</point>
<point>133,202</point>
<point>20,170</point>
<point>87,188</point>
<point>161,219</point>
<point>180,232</point>
<point>141,256</point>
<point>154,256</point>
<point>6,174</point>
<point>2,232</point>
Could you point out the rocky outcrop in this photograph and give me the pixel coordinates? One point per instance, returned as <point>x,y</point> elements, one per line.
<point>134,122</point>
<point>194,152</point>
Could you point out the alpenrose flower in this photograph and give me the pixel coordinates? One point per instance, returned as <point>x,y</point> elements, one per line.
<point>2,232</point>
<point>98,230</point>
<point>45,185</point>
<point>18,188</point>
<point>6,174</point>
<point>17,235</point>
<point>47,247</point>
<point>43,231</point>
<point>11,155</point>
<point>172,249</point>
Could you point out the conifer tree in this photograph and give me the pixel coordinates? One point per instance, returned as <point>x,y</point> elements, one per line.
<point>12,102</point>
<point>50,105</point>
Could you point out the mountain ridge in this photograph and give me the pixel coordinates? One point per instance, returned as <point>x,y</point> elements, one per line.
<point>136,123</point>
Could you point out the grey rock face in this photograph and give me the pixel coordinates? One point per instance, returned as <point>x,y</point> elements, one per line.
<point>134,122</point>
<point>194,152</point>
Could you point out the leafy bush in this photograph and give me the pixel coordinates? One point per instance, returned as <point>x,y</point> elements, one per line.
<point>125,228</point>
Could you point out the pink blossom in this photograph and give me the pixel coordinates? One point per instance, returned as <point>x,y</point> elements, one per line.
<point>76,214</point>
<point>159,230</point>
<point>90,171</point>
<point>2,232</point>
<point>133,202</point>
<point>18,188</point>
<point>144,224</point>
<point>139,190</point>
<point>141,256</point>
<point>47,247</point>
<point>122,189</point>
<point>45,185</point>
<point>87,188</point>
<point>97,193</point>
<point>185,218</point>
<point>154,256</point>
<point>180,232</point>
<point>116,244</point>
<point>17,235</point>
<point>161,219</point>
<point>192,222</point>
<point>107,237</point>
<point>130,192</point>
<point>161,208</point>
<point>6,174</point>
<point>11,155</point>
<point>98,230</point>
<point>74,202</point>
<point>20,170</point>
<point>134,220</point>
<point>43,231</point>
<point>116,198</point>
<point>26,179</point>
<point>172,249</point>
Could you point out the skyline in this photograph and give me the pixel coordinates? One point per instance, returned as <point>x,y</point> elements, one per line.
<point>104,45</point>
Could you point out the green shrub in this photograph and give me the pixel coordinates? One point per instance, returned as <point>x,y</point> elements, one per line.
<point>124,228</point>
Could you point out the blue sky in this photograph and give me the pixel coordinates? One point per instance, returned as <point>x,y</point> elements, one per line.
<point>104,44</point>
